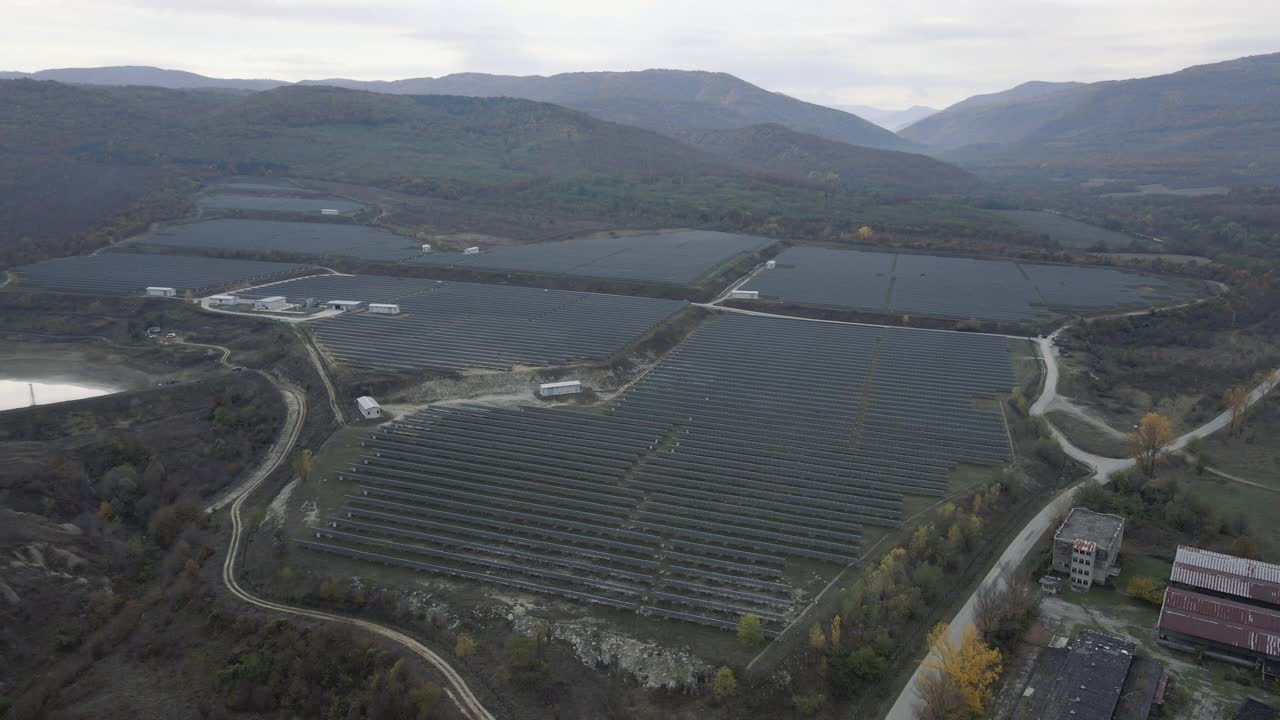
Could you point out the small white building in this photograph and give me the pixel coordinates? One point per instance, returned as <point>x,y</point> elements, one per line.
<point>223,299</point>
<point>328,211</point>
<point>271,304</point>
<point>343,305</point>
<point>384,308</point>
<point>161,292</point>
<point>744,294</point>
<point>369,408</point>
<point>771,265</point>
<point>568,387</point>
<point>471,251</point>
<point>426,247</point>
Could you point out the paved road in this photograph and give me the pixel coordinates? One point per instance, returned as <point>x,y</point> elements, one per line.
<point>1104,469</point>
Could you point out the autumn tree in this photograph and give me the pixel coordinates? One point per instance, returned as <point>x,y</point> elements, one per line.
<point>1237,402</point>
<point>972,665</point>
<point>751,631</point>
<point>865,233</point>
<point>836,623</point>
<point>1146,589</point>
<point>1153,434</point>
<point>817,638</point>
<point>1244,547</point>
<point>303,463</point>
<point>724,685</point>
<point>940,697</point>
<point>465,647</point>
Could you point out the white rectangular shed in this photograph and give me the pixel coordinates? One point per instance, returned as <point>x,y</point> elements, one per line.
<point>568,387</point>
<point>223,299</point>
<point>771,265</point>
<point>426,247</point>
<point>369,408</point>
<point>384,308</point>
<point>744,294</point>
<point>270,304</point>
<point>471,251</point>
<point>161,292</point>
<point>328,211</point>
<point>343,304</point>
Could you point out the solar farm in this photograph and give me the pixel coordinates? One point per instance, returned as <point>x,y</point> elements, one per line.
<point>127,273</point>
<point>949,287</point>
<point>300,238</point>
<point>276,203</point>
<point>755,445</point>
<point>455,326</point>
<point>678,258</point>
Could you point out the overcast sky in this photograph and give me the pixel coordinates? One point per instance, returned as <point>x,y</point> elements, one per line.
<point>888,54</point>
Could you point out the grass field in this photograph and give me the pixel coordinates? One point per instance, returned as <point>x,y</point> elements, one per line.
<point>1254,454</point>
<point>1087,437</point>
<point>1066,231</point>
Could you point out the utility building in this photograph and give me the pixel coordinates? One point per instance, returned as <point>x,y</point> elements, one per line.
<point>744,294</point>
<point>161,292</point>
<point>328,211</point>
<point>369,408</point>
<point>771,265</point>
<point>271,304</point>
<point>343,305</point>
<point>1225,606</point>
<point>384,308</point>
<point>1086,547</point>
<point>568,387</point>
<point>223,300</point>
<point>426,247</point>
<point>471,251</point>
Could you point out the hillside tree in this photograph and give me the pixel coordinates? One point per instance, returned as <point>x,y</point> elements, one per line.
<point>972,665</point>
<point>1237,402</point>
<point>751,631</point>
<point>1153,434</point>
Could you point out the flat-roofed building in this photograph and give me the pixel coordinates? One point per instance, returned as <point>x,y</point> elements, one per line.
<point>271,304</point>
<point>1087,546</point>
<point>1094,677</point>
<point>161,292</point>
<point>344,305</point>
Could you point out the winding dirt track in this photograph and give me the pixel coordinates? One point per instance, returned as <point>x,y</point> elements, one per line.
<point>296,403</point>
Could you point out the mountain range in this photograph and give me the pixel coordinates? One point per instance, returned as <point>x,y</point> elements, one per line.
<point>1217,123</point>
<point>893,120</point>
<point>663,100</point>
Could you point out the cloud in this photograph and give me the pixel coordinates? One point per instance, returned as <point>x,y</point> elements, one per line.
<point>891,54</point>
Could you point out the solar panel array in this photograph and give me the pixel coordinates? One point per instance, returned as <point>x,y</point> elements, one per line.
<point>758,441</point>
<point>452,325</point>
<point>948,287</point>
<point>127,273</point>
<point>276,203</point>
<point>679,257</point>
<point>289,237</point>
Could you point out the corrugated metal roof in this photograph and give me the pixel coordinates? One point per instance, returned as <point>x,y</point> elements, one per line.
<point>1227,574</point>
<point>365,402</point>
<point>1244,626</point>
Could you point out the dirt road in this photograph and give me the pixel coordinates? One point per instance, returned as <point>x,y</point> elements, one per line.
<point>1104,469</point>
<point>296,402</point>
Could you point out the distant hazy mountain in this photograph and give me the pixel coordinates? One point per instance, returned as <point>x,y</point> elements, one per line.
<point>663,100</point>
<point>893,120</point>
<point>782,151</point>
<point>1218,122</point>
<point>143,75</point>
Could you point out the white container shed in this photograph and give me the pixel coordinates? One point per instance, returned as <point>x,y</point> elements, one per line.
<point>343,304</point>
<point>223,299</point>
<point>471,251</point>
<point>426,247</point>
<point>771,265</point>
<point>568,387</point>
<point>744,294</point>
<point>384,308</point>
<point>328,211</point>
<point>369,408</point>
<point>161,292</point>
<point>271,304</point>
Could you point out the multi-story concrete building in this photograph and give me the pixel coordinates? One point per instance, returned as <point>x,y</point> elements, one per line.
<point>1087,546</point>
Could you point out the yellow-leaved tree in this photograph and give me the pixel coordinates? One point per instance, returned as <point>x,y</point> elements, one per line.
<point>1153,433</point>
<point>1237,401</point>
<point>971,667</point>
<point>865,233</point>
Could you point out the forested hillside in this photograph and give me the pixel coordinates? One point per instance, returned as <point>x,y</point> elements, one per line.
<point>1213,124</point>
<point>75,157</point>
